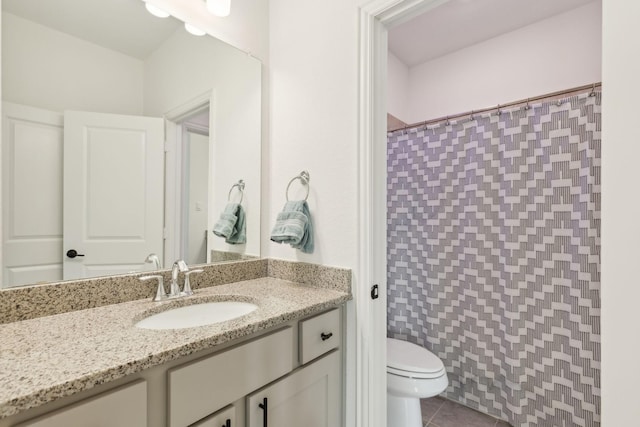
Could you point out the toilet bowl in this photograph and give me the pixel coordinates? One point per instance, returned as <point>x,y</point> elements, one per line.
<point>413,373</point>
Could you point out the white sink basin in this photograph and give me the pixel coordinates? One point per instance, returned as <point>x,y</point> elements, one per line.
<point>194,315</point>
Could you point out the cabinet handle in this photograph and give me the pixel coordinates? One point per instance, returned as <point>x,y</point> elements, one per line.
<point>227,424</point>
<point>326,336</point>
<point>263,406</point>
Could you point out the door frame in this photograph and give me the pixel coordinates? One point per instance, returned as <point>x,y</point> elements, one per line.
<point>370,335</point>
<point>173,217</point>
<point>187,128</point>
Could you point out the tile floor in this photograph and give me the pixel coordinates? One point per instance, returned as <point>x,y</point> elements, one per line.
<point>439,412</point>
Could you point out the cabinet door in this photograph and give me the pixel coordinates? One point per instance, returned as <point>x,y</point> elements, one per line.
<point>223,418</point>
<point>309,397</point>
<point>124,406</point>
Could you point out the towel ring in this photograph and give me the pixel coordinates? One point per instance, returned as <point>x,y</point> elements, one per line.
<point>240,186</point>
<point>304,178</point>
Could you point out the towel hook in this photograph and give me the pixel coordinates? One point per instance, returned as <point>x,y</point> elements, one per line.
<point>240,186</point>
<point>304,178</point>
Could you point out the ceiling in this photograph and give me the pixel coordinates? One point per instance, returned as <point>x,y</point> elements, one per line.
<point>121,25</point>
<point>457,24</point>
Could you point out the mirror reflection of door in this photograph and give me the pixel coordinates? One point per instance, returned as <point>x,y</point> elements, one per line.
<point>102,215</point>
<point>113,204</point>
<point>32,140</point>
<point>195,188</point>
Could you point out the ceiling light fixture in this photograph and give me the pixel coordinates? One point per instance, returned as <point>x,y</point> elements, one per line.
<point>156,11</point>
<point>194,30</point>
<point>220,8</point>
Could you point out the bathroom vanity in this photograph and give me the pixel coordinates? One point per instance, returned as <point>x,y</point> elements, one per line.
<point>281,365</point>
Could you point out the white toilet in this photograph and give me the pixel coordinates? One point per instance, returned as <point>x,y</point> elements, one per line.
<point>413,373</point>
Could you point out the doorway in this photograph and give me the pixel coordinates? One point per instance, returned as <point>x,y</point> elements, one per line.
<point>189,153</point>
<point>376,19</point>
<point>195,188</point>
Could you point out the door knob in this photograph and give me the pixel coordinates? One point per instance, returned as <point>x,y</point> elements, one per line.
<point>72,253</point>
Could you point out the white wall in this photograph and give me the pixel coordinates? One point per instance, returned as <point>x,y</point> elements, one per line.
<point>554,54</point>
<point>313,119</point>
<point>620,213</point>
<point>193,66</point>
<point>397,88</point>
<point>55,71</point>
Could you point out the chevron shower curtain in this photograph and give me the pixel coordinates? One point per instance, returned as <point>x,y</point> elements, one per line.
<point>494,258</point>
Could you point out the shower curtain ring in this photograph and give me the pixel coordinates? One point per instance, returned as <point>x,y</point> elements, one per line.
<point>471,117</point>
<point>447,122</point>
<point>593,90</point>
<point>499,111</point>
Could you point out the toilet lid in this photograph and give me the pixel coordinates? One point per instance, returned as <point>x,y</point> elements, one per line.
<point>410,360</point>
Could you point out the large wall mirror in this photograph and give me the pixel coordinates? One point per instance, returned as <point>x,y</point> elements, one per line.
<point>123,135</point>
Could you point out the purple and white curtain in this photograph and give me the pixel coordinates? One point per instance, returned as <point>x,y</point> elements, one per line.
<point>494,257</point>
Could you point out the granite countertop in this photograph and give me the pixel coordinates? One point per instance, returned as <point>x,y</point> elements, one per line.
<point>47,358</point>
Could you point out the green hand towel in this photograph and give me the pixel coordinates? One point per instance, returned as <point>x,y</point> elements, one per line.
<point>232,225</point>
<point>293,226</point>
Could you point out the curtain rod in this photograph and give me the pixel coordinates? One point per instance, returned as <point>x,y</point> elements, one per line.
<point>526,101</point>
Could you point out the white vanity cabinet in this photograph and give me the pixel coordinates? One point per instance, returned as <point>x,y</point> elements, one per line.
<point>294,370</point>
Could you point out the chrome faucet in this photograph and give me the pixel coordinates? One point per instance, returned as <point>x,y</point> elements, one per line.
<point>174,290</point>
<point>153,258</point>
<point>178,266</point>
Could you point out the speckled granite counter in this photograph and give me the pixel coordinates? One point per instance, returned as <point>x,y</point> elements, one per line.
<point>47,358</point>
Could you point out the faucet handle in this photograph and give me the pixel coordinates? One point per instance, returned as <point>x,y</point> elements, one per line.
<point>160,293</point>
<point>182,266</point>
<point>187,283</point>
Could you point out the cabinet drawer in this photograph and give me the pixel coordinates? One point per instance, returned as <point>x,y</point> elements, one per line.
<point>319,334</point>
<point>124,406</point>
<point>225,417</point>
<point>201,387</point>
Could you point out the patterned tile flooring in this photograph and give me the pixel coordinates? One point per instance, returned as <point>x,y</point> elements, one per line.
<point>439,412</point>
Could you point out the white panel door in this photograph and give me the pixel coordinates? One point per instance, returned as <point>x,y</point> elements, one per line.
<point>32,147</point>
<point>113,192</point>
